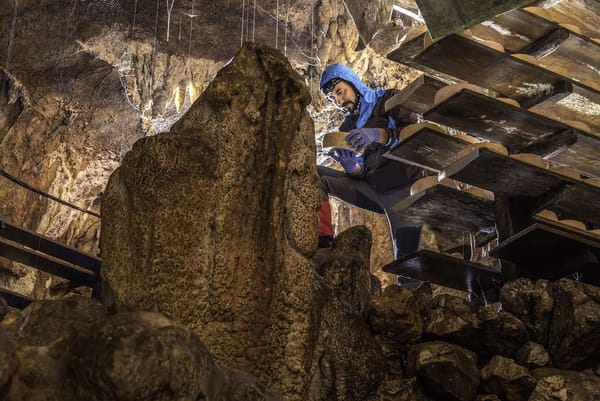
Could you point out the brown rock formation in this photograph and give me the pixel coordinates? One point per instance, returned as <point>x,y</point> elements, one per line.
<point>446,370</point>
<point>212,223</point>
<point>574,336</point>
<point>73,349</point>
<point>507,379</point>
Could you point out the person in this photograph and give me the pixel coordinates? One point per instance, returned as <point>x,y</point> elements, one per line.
<point>370,181</point>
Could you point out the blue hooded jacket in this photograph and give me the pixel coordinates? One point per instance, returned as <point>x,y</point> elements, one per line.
<point>368,96</point>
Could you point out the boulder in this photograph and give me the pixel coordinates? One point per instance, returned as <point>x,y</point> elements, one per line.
<point>345,359</point>
<point>485,330</point>
<point>532,303</point>
<point>444,370</point>
<point>213,223</point>
<point>563,385</point>
<point>123,356</point>
<point>505,378</point>
<point>532,355</point>
<point>574,335</point>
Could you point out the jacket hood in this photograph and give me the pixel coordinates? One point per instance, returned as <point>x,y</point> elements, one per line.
<point>368,95</point>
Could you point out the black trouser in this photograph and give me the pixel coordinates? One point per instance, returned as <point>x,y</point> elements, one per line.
<point>360,193</point>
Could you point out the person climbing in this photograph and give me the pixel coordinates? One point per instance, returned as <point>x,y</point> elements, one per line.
<point>371,181</point>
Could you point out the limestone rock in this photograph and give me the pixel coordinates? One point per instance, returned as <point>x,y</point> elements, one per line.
<point>398,390</point>
<point>345,358</point>
<point>44,323</point>
<point>574,336</point>
<point>9,362</point>
<point>532,355</point>
<point>347,268</point>
<point>445,370</point>
<point>563,385</point>
<point>482,329</point>
<point>397,320</point>
<point>144,356</point>
<point>532,303</point>
<point>508,380</point>
<point>123,356</point>
<point>213,222</point>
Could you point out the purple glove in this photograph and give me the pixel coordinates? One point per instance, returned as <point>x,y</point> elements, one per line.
<point>347,158</point>
<point>360,138</point>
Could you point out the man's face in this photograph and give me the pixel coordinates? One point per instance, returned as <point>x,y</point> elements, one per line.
<point>344,96</point>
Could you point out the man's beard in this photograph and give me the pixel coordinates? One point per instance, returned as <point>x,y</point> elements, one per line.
<point>348,107</point>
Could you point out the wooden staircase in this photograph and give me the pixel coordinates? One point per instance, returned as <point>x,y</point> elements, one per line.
<point>516,89</point>
<point>37,251</point>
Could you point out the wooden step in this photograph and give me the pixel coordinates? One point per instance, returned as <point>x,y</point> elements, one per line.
<point>571,198</point>
<point>31,257</point>
<point>556,48</point>
<point>485,117</point>
<point>544,252</point>
<point>428,148</point>
<point>584,15</point>
<point>448,271</point>
<point>481,65</point>
<point>48,246</point>
<point>448,209</point>
<point>518,129</point>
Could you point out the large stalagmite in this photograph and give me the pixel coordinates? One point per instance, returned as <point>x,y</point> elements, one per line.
<point>212,223</point>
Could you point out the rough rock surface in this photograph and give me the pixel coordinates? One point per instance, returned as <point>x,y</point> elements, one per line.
<point>532,303</point>
<point>397,320</point>
<point>213,222</point>
<point>123,356</point>
<point>505,378</point>
<point>565,385</point>
<point>532,355</point>
<point>574,336</point>
<point>456,320</point>
<point>446,370</point>
<point>346,361</point>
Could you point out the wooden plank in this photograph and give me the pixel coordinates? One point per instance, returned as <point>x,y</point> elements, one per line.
<point>583,15</point>
<point>505,175</point>
<point>15,300</point>
<point>422,99</point>
<point>17,252</point>
<point>481,65</point>
<point>563,227</point>
<point>513,29</point>
<point>550,253</point>
<point>48,246</point>
<point>440,269</point>
<point>579,106</point>
<point>446,208</point>
<point>556,48</point>
<point>429,149</point>
<point>583,155</point>
<point>491,119</point>
<point>446,16</point>
<point>581,202</point>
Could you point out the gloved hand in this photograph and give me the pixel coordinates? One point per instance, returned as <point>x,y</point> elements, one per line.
<point>348,159</point>
<point>360,138</point>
